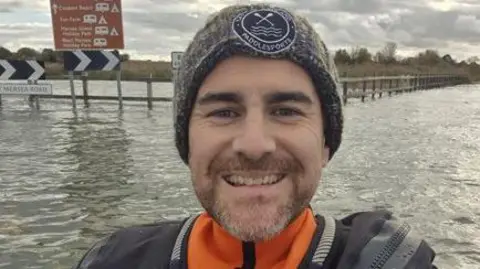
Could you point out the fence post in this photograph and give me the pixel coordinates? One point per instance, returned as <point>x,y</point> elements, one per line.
<point>37,98</point>
<point>85,89</point>
<point>119,89</point>
<point>416,83</point>
<point>381,86</point>
<point>149,92</point>
<point>72,90</point>
<point>390,82</point>
<point>373,86</point>
<point>397,91</point>
<point>364,89</point>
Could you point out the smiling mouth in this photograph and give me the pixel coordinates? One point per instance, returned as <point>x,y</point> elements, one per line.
<point>238,181</point>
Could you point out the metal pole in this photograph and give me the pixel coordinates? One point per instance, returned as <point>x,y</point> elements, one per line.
<point>85,89</point>
<point>37,98</point>
<point>72,90</point>
<point>119,89</point>
<point>149,92</point>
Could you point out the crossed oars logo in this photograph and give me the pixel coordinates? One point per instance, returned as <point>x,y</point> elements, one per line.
<point>256,14</point>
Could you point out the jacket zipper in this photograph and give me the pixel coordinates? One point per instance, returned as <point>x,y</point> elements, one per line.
<point>390,247</point>
<point>248,249</point>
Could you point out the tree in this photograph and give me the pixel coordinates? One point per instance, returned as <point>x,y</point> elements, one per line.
<point>360,55</point>
<point>388,54</point>
<point>124,57</point>
<point>379,58</point>
<point>429,57</point>
<point>48,55</point>
<point>342,57</point>
<point>58,56</point>
<point>26,54</point>
<point>448,59</point>
<point>473,59</point>
<point>5,53</point>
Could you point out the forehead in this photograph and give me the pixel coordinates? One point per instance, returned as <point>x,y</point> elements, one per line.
<point>249,76</point>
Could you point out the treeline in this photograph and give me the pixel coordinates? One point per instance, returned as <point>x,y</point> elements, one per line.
<point>388,55</point>
<point>353,62</point>
<point>360,61</point>
<point>47,55</point>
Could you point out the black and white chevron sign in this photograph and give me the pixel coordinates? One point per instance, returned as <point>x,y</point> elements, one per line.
<point>91,60</point>
<point>22,70</point>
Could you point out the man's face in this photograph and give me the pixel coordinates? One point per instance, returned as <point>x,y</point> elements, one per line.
<point>256,145</point>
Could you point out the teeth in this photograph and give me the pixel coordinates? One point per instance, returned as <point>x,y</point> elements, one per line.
<point>250,181</point>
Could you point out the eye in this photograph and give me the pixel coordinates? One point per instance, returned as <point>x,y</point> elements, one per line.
<point>223,113</point>
<point>286,112</point>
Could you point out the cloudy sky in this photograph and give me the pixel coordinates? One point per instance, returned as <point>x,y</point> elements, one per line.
<point>154,28</point>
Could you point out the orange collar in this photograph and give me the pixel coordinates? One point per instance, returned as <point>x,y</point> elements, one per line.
<point>210,246</point>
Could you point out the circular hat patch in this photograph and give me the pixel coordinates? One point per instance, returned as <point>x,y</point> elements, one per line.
<point>266,30</point>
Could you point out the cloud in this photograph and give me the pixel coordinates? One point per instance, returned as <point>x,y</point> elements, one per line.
<point>7,6</point>
<point>154,28</point>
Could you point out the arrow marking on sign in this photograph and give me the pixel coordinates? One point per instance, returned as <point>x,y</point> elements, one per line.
<point>9,70</point>
<point>84,60</point>
<point>112,60</point>
<point>38,70</point>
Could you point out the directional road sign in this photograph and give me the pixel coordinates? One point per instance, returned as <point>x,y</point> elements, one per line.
<point>176,59</point>
<point>91,60</point>
<point>87,24</point>
<point>22,70</point>
<point>26,89</point>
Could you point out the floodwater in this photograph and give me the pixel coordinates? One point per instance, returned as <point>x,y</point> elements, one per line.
<point>66,179</point>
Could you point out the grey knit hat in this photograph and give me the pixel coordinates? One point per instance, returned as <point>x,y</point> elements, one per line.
<point>257,30</point>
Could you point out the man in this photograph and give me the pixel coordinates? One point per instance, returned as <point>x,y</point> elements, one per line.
<point>257,117</point>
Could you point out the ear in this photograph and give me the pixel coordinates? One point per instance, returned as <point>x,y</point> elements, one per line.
<point>325,156</point>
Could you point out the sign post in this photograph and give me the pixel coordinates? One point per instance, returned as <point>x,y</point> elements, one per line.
<point>85,30</point>
<point>176,59</point>
<point>71,77</point>
<point>87,24</point>
<point>29,70</point>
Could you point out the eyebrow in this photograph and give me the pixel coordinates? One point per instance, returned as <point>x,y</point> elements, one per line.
<point>293,96</point>
<point>214,97</point>
<point>272,98</point>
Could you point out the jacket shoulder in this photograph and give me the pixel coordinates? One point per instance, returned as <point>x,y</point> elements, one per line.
<point>377,239</point>
<point>141,246</point>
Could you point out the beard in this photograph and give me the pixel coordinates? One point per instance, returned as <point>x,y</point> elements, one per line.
<point>259,218</point>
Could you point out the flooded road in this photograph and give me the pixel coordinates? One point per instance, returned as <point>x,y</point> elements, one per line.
<point>66,179</point>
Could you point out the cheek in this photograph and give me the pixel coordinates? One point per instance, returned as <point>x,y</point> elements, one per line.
<point>204,144</point>
<point>307,144</point>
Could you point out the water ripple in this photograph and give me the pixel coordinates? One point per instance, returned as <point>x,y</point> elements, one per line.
<point>67,179</point>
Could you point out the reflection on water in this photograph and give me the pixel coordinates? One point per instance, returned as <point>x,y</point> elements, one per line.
<point>67,179</point>
<point>99,151</point>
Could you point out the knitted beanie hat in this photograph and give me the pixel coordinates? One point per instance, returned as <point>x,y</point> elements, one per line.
<point>256,30</point>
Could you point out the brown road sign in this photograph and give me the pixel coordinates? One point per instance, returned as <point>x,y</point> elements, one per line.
<point>87,24</point>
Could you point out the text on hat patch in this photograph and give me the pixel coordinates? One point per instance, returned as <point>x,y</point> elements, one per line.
<point>265,30</point>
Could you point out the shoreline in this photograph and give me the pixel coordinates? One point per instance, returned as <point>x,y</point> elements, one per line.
<point>160,71</point>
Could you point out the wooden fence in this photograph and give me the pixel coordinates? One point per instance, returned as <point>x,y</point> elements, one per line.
<point>350,87</point>
<point>362,87</point>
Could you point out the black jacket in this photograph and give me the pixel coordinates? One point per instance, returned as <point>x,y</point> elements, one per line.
<point>364,240</point>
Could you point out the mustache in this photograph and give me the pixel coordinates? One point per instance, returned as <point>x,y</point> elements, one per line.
<point>266,163</point>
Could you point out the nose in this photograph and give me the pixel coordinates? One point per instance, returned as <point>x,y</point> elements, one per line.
<point>254,140</point>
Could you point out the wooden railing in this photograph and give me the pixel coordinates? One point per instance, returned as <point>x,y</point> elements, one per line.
<point>349,87</point>
<point>362,87</point>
